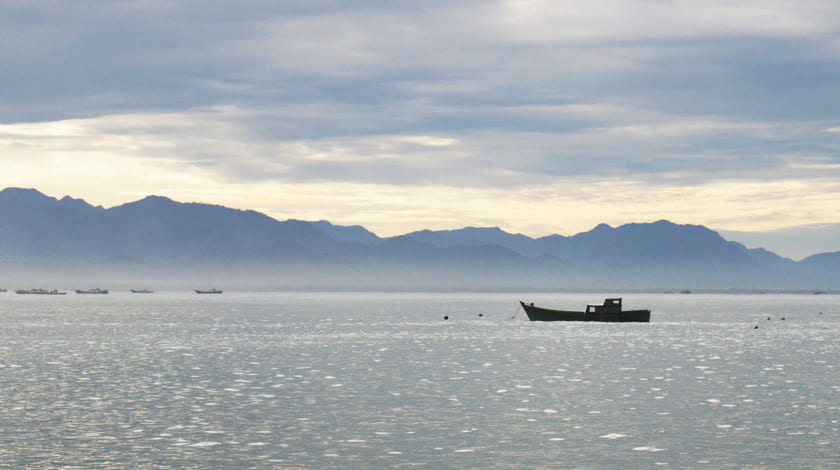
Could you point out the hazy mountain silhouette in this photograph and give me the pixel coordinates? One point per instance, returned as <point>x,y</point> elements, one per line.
<point>655,243</point>
<point>157,236</point>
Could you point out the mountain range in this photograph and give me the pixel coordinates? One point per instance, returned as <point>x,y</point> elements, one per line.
<point>156,240</point>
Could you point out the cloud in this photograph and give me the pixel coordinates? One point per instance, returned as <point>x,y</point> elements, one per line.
<point>378,56</point>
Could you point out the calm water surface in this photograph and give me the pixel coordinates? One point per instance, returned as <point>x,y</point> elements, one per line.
<point>366,380</point>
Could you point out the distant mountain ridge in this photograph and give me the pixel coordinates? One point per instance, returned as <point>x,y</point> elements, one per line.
<point>156,234</point>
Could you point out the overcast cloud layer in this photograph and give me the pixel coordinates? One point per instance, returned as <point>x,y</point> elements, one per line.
<point>537,116</point>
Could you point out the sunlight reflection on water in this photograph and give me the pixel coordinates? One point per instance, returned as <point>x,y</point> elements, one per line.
<point>344,380</point>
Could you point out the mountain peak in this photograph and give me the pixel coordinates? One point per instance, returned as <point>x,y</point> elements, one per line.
<point>349,234</point>
<point>157,199</point>
<point>27,195</point>
<point>68,201</point>
<point>664,223</point>
<point>153,202</point>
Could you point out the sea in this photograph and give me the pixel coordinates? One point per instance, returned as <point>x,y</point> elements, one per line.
<point>360,380</point>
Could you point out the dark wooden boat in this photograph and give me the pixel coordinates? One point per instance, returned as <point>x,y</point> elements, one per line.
<point>610,311</point>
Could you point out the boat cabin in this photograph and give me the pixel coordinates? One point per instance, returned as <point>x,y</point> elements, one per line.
<point>610,306</point>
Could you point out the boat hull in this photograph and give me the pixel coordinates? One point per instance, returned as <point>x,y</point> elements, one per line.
<point>546,314</point>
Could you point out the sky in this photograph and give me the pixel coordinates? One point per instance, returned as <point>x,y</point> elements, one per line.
<point>538,117</point>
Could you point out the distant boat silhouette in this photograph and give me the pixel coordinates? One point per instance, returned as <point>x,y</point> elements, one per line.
<point>141,291</point>
<point>211,291</point>
<point>40,292</point>
<point>92,291</point>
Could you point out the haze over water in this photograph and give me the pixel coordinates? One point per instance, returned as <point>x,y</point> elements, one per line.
<point>373,380</point>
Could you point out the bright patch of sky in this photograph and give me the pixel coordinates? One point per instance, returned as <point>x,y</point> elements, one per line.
<point>536,116</point>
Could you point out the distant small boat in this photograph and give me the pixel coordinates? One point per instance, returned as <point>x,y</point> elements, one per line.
<point>141,291</point>
<point>211,291</point>
<point>40,292</point>
<point>92,291</point>
<point>610,311</point>
<point>3,290</point>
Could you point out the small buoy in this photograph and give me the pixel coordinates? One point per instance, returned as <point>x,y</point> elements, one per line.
<point>768,318</point>
<point>783,318</point>
<point>756,327</point>
<point>480,314</point>
<point>446,317</point>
